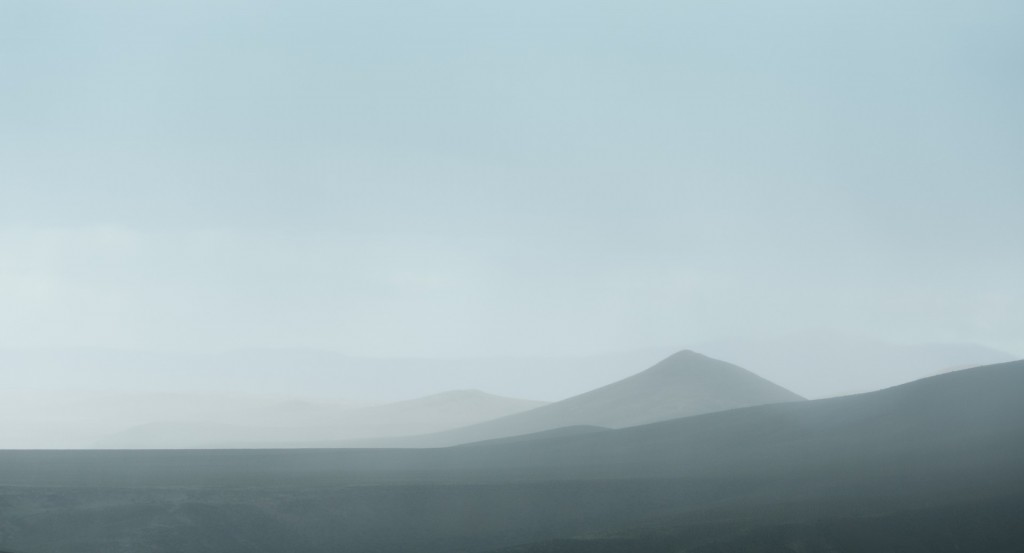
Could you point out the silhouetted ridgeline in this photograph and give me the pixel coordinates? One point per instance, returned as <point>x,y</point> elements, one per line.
<point>684,384</point>
<point>928,466</point>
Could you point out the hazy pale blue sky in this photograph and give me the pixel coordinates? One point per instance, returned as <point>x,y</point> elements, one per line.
<point>469,177</point>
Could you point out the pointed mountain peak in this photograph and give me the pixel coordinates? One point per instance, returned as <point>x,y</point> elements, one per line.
<point>688,361</point>
<point>686,355</point>
<point>684,384</point>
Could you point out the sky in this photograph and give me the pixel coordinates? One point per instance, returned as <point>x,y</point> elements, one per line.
<point>459,178</point>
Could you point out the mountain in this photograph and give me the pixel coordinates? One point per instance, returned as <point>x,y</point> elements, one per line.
<point>933,465</point>
<point>299,422</point>
<point>684,384</point>
<point>959,415</point>
<point>73,398</point>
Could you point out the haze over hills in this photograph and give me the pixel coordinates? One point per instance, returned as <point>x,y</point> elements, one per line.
<point>683,384</point>
<point>74,397</point>
<point>815,365</point>
<point>946,448</point>
<point>828,364</point>
<point>428,414</point>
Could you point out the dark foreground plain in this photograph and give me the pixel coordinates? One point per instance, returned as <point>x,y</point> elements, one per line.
<point>934,465</point>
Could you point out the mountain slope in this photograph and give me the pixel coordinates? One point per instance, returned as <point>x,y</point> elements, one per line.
<point>933,465</point>
<point>965,417</point>
<point>684,384</point>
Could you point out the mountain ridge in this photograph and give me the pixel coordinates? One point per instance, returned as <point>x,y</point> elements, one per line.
<point>683,384</point>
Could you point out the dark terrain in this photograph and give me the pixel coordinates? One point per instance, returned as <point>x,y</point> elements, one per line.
<point>933,465</point>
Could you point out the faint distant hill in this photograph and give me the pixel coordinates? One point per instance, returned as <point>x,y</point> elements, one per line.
<point>319,423</point>
<point>825,364</point>
<point>684,384</point>
<point>72,397</point>
<point>69,419</point>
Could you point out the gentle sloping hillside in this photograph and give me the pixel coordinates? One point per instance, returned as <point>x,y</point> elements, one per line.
<point>966,417</point>
<point>684,384</point>
<point>428,414</point>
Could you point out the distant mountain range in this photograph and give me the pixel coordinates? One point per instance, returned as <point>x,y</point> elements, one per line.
<point>74,398</point>
<point>932,465</point>
<point>684,384</point>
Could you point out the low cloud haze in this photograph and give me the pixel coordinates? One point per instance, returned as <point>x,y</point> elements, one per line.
<point>451,179</point>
